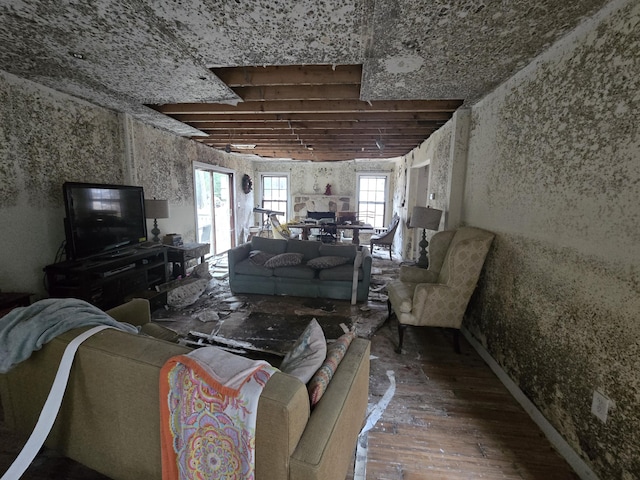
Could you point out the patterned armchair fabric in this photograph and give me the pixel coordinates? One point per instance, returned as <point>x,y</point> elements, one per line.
<point>438,296</point>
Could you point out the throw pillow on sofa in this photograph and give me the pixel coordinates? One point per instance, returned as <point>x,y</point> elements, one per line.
<point>328,261</point>
<point>284,260</point>
<point>307,354</point>
<point>335,353</point>
<point>258,257</point>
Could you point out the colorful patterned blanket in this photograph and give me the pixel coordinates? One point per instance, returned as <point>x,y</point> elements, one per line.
<point>208,405</point>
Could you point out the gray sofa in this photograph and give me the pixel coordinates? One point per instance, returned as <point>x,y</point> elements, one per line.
<point>248,276</point>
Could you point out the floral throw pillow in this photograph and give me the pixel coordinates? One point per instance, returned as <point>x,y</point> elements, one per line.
<point>307,354</point>
<point>335,353</point>
<point>284,260</point>
<point>327,262</point>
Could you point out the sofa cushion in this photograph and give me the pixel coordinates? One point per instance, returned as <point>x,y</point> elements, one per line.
<point>247,267</point>
<point>307,354</point>
<point>309,248</point>
<point>271,245</point>
<point>295,271</point>
<point>284,260</point>
<point>348,251</point>
<point>258,257</point>
<point>340,273</point>
<point>158,331</point>
<point>320,380</point>
<point>327,261</point>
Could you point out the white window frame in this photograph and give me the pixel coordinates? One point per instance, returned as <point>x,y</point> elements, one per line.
<point>387,202</point>
<point>285,217</point>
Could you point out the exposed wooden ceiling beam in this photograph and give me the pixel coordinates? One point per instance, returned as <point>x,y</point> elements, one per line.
<point>311,117</point>
<point>344,124</point>
<point>377,132</point>
<point>310,113</point>
<point>289,75</point>
<point>313,106</point>
<point>299,92</point>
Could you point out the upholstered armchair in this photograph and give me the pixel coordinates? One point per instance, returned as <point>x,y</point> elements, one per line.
<point>438,296</point>
<point>386,239</point>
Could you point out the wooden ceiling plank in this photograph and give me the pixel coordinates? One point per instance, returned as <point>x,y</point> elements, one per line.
<point>337,124</point>
<point>378,132</point>
<point>299,92</point>
<point>289,75</point>
<point>313,106</point>
<point>311,117</point>
<point>311,113</point>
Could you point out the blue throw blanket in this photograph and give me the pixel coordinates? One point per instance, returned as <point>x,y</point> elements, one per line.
<point>26,329</point>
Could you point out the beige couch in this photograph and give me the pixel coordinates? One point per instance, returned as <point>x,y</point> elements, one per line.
<point>109,419</point>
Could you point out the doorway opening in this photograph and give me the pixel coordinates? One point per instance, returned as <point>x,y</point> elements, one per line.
<point>215,215</point>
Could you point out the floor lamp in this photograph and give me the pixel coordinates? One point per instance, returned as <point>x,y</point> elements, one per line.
<point>426,218</point>
<point>156,209</point>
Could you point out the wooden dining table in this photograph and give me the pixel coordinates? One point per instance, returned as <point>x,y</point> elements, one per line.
<point>306,229</point>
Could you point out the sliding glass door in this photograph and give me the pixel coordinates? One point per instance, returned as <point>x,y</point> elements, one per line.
<point>215,215</point>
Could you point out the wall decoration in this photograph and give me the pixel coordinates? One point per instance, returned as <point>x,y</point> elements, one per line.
<point>247,184</point>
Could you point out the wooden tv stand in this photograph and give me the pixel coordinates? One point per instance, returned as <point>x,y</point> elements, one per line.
<point>108,282</point>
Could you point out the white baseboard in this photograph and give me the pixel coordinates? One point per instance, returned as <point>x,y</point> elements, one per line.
<point>561,445</point>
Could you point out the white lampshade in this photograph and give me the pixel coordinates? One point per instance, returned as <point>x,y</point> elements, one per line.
<point>156,208</point>
<point>426,217</point>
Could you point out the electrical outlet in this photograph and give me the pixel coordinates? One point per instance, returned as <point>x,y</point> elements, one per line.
<point>600,406</point>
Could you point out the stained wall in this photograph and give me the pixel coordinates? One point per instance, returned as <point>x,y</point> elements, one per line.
<point>436,153</point>
<point>554,170</point>
<point>47,138</point>
<point>311,178</point>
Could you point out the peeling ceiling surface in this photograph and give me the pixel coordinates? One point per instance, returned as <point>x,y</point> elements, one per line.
<point>126,54</point>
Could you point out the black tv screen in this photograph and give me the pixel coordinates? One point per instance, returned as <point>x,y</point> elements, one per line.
<point>103,219</point>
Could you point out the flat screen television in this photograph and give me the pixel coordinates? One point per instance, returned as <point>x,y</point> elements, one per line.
<point>102,220</point>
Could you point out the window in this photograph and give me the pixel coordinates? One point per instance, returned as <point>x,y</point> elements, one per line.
<point>275,194</point>
<point>372,198</point>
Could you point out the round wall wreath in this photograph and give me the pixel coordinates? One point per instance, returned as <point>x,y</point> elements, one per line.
<point>247,184</point>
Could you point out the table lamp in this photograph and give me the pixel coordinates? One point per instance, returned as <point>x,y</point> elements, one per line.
<point>156,209</point>
<point>426,218</point>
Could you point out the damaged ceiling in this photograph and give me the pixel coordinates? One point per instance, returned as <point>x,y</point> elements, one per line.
<point>202,69</point>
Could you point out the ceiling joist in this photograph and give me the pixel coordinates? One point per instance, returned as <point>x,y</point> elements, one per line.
<point>310,113</point>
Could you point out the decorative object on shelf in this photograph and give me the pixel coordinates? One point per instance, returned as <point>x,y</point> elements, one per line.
<point>327,190</point>
<point>247,184</point>
<point>426,218</point>
<point>156,209</point>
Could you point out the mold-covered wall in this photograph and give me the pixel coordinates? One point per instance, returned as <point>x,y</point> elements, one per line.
<point>163,164</point>
<point>436,153</point>
<point>310,178</point>
<point>47,138</point>
<point>554,170</point>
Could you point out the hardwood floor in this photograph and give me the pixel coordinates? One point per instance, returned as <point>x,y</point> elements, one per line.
<point>450,417</point>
